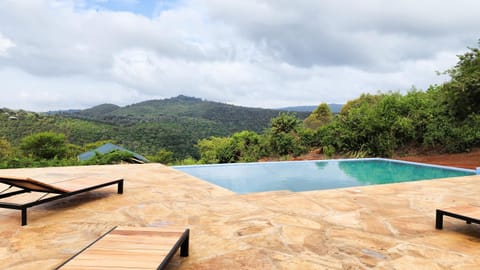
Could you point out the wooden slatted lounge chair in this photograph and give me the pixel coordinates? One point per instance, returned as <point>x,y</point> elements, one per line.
<point>469,213</point>
<point>51,192</point>
<point>131,248</point>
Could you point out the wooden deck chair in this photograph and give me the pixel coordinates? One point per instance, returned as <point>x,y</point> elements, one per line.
<point>468,213</point>
<point>131,248</point>
<point>51,192</point>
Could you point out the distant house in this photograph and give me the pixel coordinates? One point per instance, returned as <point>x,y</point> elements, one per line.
<point>109,147</point>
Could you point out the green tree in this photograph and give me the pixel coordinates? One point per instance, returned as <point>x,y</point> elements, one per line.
<point>5,149</point>
<point>376,125</point>
<point>216,150</point>
<point>328,137</point>
<point>244,146</point>
<point>284,135</point>
<point>73,150</point>
<point>44,145</point>
<point>358,102</point>
<point>320,116</point>
<point>248,146</point>
<point>462,92</point>
<point>162,156</point>
<point>284,123</point>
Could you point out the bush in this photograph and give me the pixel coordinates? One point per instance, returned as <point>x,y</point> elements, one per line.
<point>188,161</point>
<point>163,156</point>
<point>285,136</point>
<point>5,149</point>
<point>248,146</point>
<point>320,116</point>
<point>29,162</point>
<point>376,125</point>
<point>328,151</point>
<point>282,144</point>
<point>44,145</point>
<point>244,146</point>
<point>216,150</point>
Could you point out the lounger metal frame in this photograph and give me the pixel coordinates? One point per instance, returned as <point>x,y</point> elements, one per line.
<point>23,207</point>
<point>439,218</point>
<point>182,244</point>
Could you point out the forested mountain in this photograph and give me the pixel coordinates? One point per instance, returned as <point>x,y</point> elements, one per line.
<point>175,124</point>
<point>187,110</point>
<point>97,110</point>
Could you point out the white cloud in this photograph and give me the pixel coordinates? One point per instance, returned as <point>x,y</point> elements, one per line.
<point>22,90</point>
<point>363,34</point>
<point>264,53</point>
<point>5,45</point>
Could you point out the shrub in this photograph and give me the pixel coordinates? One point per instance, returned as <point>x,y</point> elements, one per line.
<point>44,145</point>
<point>163,156</point>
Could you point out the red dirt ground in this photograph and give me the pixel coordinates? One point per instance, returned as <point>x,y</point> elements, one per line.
<point>470,160</point>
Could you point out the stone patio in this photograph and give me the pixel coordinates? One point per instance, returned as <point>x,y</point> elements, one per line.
<point>372,227</point>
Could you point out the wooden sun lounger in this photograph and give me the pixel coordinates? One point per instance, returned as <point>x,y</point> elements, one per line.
<point>61,190</point>
<point>469,213</point>
<point>131,248</point>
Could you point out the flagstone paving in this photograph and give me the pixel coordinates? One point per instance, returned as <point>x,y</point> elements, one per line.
<point>372,227</point>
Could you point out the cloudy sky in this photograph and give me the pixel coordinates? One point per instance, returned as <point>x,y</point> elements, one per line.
<point>258,53</point>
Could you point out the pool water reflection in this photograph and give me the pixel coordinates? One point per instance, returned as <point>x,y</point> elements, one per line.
<point>316,175</point>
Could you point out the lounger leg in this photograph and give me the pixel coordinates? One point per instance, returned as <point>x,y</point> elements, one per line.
<point>24,216</point>
<point>120,187</point>
<point>439,220</point>
<point>184,246</point>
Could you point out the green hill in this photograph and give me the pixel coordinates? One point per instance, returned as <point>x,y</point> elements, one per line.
<point>223,117</point>
<point>99,110</point>
<point>175,124</point>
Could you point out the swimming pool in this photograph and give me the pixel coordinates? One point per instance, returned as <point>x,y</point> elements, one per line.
<point>317,175</point>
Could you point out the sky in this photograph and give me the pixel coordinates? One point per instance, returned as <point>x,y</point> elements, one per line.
<point>75,54</point>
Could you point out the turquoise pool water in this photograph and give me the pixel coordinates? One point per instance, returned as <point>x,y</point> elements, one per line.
<point>316,175</point>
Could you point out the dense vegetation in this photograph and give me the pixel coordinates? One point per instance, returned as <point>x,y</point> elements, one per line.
<point>166,130</point>
<point>175,124</point>
<point>444,118</point>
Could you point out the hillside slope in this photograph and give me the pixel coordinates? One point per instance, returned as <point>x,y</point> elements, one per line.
<point>175,124</point>
<point>224,118</point>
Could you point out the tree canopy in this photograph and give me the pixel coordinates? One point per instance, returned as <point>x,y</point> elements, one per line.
<point>462,92</point>
<point>44,145</point>
<point>320,116</point>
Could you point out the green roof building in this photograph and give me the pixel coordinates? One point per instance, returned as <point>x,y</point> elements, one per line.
<point>110,147</point>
